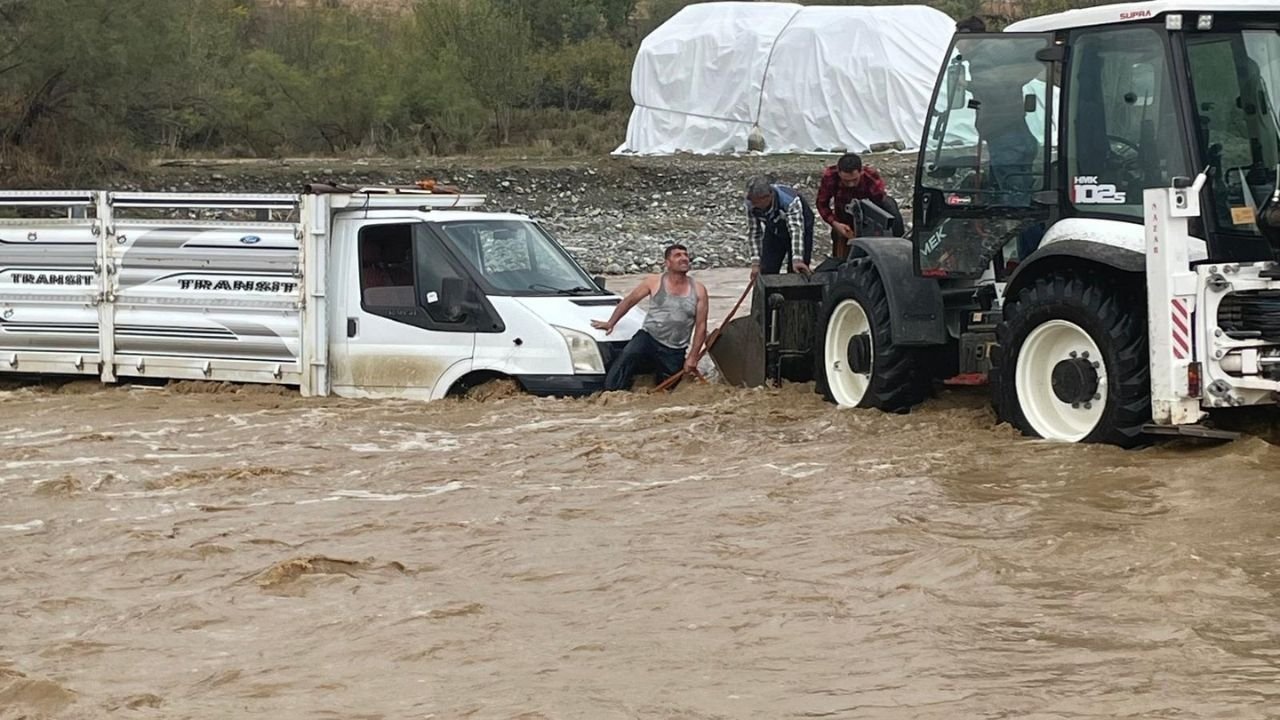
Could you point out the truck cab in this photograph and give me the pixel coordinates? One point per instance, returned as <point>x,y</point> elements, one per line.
<point>429,302</point>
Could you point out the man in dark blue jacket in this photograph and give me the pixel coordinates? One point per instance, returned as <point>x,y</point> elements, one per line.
<point>779,228</point>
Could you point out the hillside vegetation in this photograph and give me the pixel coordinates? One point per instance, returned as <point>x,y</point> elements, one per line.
<point>90,87</point>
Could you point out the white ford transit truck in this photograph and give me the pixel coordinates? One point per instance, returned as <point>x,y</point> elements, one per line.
<point>356,292</point>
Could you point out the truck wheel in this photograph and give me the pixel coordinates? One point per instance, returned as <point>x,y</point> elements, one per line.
<point>861,367</point>
<point>1072,362</point>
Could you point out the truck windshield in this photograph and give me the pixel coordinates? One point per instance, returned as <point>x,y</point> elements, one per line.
<point>517,256</point>
<point>1236,80</point>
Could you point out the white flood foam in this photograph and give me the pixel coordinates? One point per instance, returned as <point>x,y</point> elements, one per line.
<point>798,470</point>
<point>384,497</point>
<point>14,464</point>
<point>428,442</point>
<point>33,525</point>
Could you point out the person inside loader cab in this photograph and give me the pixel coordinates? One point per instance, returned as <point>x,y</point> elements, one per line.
<point>779,228</point>
<point>843,184</point>
<point>675,324</point>
<point>1000,74</point>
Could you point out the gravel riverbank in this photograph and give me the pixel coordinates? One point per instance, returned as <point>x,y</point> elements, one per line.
<point>615,214</point>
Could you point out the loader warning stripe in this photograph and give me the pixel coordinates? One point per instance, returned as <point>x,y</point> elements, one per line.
<point>1181,329</point>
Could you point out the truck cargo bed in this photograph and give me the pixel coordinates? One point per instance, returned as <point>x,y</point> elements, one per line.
<point>137,285</point>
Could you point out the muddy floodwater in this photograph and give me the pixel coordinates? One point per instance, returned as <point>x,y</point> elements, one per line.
<point>216,552</point>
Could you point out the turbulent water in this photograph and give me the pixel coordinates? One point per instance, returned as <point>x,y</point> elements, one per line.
<point>712,553</point>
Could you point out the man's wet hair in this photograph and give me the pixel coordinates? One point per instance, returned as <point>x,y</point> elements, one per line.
<point>849,162</point>
<point>759,186</point>
<point>971,24</point>
<point>666,254</point>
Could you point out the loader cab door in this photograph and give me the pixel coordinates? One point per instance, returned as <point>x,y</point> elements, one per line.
<point>1235,94</point>
<point>1123,121</point>
<point>990,142</point>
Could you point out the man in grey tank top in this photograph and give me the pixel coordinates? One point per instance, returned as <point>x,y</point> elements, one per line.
<point>677,310</point>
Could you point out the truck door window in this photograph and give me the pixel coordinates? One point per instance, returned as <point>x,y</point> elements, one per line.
<point>386,266</point>
<point>406,275</point>
<point>448,296</point>
<point>1123,128</point>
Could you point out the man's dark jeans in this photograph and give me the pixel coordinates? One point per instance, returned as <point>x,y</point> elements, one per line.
<point>665,361</point>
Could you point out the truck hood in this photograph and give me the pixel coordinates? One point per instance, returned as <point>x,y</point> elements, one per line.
<point>576,313</point>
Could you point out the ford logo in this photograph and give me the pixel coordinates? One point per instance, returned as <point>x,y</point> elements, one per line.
<point>250,239</point>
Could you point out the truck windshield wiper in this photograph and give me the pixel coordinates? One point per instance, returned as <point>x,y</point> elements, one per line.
<point>562,291</point>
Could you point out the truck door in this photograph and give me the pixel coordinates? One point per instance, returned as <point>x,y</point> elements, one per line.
<point>988,148</point>
<point>411,312</point>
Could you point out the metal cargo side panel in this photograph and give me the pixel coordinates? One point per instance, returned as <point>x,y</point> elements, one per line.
<point>48,294</point>
<point>205,301</point>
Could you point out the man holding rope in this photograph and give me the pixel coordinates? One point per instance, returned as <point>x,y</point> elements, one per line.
<point>678,309</point>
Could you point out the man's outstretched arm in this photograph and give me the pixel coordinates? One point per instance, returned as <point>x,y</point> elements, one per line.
<point>640,292</point>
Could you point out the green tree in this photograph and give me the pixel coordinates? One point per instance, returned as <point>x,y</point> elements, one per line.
<point>593,74</point>
<point>131,75</point>
<point>493,49</point>
<point>558,22</point>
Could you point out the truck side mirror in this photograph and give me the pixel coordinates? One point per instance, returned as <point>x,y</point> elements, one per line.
<point>599,281</point>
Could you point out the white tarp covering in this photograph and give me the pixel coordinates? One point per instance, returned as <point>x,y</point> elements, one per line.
<point>814,79</point>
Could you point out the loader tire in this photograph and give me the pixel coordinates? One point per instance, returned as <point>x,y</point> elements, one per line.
<point>893,380</point>
<point>1042,381</point>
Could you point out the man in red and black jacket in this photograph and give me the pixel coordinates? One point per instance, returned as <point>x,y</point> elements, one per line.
<point>843,183</point>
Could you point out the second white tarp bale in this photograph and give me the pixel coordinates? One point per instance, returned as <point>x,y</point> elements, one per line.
<point>810,79</point>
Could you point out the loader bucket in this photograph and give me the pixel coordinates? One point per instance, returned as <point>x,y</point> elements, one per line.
<point>739,352</point>
<point>778,339</point>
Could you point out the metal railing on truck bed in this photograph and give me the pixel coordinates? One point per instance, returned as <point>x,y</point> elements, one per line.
<point>148,285</point>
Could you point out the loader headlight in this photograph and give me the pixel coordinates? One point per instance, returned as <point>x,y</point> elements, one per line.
<point>582,351</point>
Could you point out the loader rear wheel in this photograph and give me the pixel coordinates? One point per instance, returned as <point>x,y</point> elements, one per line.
<point>861,366</point>
<point>1072,362</point>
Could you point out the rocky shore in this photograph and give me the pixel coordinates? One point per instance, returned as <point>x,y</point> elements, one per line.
<point>614,214</point>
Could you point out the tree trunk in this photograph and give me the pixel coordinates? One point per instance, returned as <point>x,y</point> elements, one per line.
<point>40,104</point>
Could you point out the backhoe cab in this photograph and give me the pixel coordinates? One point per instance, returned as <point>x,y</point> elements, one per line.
<point>1095,229</point>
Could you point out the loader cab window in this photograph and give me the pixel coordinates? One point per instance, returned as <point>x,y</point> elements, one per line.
<point>987,131</point>
<point>1123,134</point>
<point>407,275</point>
<point>989,136</point>
<point>1235,79</point>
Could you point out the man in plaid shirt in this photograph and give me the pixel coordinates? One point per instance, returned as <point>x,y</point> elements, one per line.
<point>846,181</point>
<point>779,227</point>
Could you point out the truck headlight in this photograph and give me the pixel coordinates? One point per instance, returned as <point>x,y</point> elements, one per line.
<point>583,351</point>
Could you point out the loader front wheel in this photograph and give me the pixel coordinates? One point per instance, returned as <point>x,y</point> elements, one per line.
<point>1072,362</point>
<point>861,366</point>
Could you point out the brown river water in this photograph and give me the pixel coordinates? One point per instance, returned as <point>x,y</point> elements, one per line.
<point>222,552</point>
